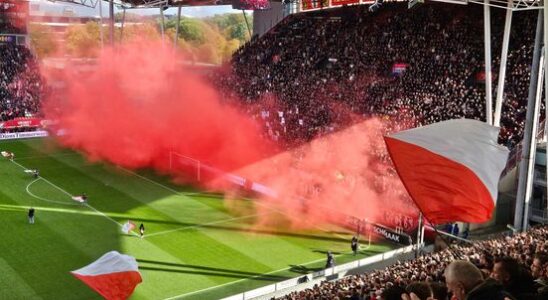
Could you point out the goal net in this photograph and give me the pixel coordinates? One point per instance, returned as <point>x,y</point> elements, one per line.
<point>190,167</point>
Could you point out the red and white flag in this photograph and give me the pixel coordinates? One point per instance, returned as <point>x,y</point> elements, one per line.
<point>128,227</point>
<point>78,199</point>
<point>451,169</point>
<point>113,275</point>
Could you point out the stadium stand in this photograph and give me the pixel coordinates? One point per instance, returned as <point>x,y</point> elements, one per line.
<point>507,259</point>
<point>6,27</point>
<point>21,85</point>
<point>439,47</point>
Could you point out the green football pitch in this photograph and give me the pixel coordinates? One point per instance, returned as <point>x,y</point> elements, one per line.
<point>196,245</point>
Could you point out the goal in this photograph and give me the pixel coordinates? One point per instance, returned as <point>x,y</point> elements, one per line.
<point>188,165</point>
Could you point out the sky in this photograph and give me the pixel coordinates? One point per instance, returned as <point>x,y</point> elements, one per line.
<point>196,11</point>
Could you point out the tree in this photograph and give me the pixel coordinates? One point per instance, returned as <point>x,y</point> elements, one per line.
<point>239,32</point>
<point>144,31</point>
<point>211,40</point>
<point>230,48</point>
<point>42,40</point>
<point>189,29</point>
<point>83,40</point>
<point>209,53</point>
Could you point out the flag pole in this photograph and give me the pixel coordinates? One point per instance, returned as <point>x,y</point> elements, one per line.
<point>455,254</point>
<point>419,235</point>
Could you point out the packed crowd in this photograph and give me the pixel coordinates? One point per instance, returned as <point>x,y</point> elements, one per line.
<point>299,92</point>
<point>319,72</point>
<point>7,27</point>
<point>20,83</point>
<point>513,267</point>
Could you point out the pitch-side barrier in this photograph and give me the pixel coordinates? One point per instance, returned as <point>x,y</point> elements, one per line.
<point>333,273</point>
<point>23,135</point>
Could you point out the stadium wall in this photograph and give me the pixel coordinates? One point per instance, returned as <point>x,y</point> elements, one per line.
<point>264,20</point>
<point>23,135</point>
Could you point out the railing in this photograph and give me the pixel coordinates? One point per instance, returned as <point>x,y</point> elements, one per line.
<point>515,154</point>
<point>539,215</point>
<point>269,289</point>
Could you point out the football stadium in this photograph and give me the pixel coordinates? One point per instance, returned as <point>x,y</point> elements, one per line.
<point>266,149</point>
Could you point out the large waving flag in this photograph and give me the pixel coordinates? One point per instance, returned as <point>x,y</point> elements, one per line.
<point>451,169</point>
<point>114,276</point>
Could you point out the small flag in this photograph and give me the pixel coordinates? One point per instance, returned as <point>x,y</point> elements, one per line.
<point>113,275</point>
<point>78,199</point>
<point>6,154</point>
<point>128,227</point>
<point>29,171</point>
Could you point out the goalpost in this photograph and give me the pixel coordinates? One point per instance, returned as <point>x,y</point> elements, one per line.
<point>361,226</point>
<point>185,162</point>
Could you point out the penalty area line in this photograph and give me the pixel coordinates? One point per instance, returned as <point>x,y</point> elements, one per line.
<point>154,182</point>
<point>272,209</point>
<point>205,224</point>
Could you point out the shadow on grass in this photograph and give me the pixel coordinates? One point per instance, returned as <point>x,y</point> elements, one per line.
<point>204,270</point>
<point>300,269</point>
<point>196,226</point>
<point>325,251</point>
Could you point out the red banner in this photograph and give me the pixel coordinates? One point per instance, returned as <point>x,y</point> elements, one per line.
<point>314,4</point>
<point>343,2</point>
<point>399,68</point>
<point>22,122</point>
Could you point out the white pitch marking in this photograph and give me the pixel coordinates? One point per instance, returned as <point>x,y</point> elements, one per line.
<point>46,156</point>
<point>70,195</point>
<point>44,199</point>
<point>248,278</point>
<point>204,224</point>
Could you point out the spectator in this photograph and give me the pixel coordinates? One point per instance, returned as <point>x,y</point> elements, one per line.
<point>466,282</point>
<point>20,83</point>
<point>393,293</point>
<point>514,278</point>
<point>430,268</point>
<point>439,291</point>
<point>538,269</point>
<point>422,290</point>
<point>315,68</point>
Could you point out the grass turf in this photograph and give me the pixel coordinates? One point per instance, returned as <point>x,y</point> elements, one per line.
<point>196,246</point>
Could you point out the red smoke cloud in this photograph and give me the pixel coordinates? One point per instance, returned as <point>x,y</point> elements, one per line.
<point>138,104</point>
<point>331,178</point>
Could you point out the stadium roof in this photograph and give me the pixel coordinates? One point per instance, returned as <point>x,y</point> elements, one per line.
<point>150,3</point>
<point>515,4</point>
<point>157,3</point>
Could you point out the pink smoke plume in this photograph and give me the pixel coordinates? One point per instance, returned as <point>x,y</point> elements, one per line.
<point>341,175</point>
<point>138,105</point>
